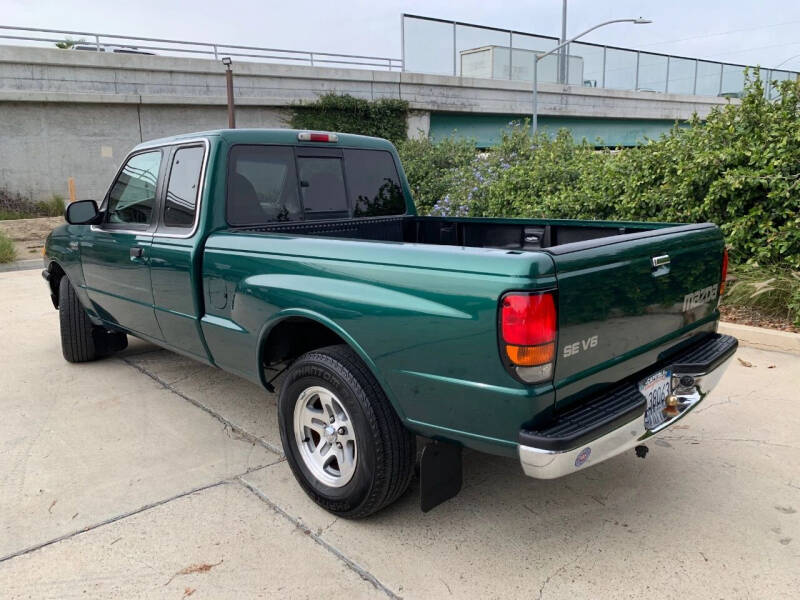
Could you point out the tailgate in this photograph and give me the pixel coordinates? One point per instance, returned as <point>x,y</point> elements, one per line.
<point>618,313</point>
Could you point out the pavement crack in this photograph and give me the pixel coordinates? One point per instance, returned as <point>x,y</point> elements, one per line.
<point>697,440</point>
<point>229,426</point>
<point>114,519</point>
<point>350,563</point>
<point>447,586</point>
<point>328,526</point>
<point>560,569</point>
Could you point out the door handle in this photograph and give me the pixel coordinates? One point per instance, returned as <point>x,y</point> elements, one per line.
<point>136,252</point>
<point>660,261</point>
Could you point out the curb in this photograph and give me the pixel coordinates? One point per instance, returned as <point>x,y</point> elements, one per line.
<point>759,337</point>
<point>22,265</point>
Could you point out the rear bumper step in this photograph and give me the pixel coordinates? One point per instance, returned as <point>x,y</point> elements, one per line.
<point>614,421</point>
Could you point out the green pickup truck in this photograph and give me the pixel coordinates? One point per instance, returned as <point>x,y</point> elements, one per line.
<point>298,257</point>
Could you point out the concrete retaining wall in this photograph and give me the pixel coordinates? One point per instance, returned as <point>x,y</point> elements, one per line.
<point>75,114</point>
<point>42,144</point>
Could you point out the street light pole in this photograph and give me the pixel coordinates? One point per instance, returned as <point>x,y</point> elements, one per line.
<point>537,57</point>
<point>780,64</point>
<point>229,86</point>
<point>562,56</point>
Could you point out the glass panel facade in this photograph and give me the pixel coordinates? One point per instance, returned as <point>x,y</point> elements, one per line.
<point>732,81</point>
<point>428,47</point>
<point>620,69</point>
<point>447,48</point>
<point>708,74</point>
<point>591,62</point>
<point>681,75</point>
<point>652,72</point>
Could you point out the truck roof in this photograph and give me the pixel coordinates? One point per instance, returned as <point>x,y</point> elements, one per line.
<point>273,136</point>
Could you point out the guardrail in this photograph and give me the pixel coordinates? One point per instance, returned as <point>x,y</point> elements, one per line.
<point>107,42</point>
<point>444,47</point>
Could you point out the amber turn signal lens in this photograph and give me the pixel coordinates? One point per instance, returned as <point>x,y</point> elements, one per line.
<point>529,356</point>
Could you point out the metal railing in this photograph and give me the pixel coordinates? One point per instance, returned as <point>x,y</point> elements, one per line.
<point>107,42</point>
<point>444,47</point>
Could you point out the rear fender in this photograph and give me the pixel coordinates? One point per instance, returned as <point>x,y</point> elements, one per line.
<point>339,331</point>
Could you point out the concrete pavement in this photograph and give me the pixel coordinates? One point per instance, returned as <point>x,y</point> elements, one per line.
<point>147,475</point>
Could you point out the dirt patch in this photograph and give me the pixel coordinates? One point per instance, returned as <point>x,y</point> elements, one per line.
<point>28,235</point>
<point>750,316</point>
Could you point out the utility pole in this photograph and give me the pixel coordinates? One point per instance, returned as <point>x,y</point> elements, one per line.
<point>229,85</point>
<point>563,56</point>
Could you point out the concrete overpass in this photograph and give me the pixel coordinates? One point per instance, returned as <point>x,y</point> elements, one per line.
<point>75,114</point>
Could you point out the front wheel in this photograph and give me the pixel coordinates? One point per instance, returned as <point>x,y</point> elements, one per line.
<point>344,443</point>
<point>82,341</point>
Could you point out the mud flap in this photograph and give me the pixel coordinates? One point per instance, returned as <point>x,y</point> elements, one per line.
<point>440,474</point>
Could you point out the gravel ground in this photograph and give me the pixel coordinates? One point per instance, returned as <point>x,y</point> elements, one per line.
<point>28,235</point>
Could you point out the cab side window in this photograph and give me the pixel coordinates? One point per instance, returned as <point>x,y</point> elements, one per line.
<point>182,189</point>
<point>133,196</point>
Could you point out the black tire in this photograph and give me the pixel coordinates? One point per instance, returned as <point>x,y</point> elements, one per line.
<point>386,451</point>
<point>81,341</point>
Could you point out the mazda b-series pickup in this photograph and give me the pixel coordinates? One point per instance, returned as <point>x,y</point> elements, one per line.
<point>300,254</point>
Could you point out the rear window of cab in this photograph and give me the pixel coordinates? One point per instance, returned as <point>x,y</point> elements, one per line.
<point>294,183</point>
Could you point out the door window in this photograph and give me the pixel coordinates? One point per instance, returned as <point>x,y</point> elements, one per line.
<point>133,195</point>
<point>183,186</point>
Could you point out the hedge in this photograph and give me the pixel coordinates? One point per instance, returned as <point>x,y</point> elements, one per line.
<point>740,169</point>
<point>384,118</point>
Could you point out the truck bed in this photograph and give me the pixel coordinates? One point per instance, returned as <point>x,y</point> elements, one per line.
<point>509,234</point>
<point>614,305</point>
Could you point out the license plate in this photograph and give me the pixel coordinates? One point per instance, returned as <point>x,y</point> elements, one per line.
<point>655,389</point>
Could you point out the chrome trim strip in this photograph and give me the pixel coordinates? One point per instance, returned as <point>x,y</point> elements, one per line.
<point>200,187</point>
<point>549,464</point>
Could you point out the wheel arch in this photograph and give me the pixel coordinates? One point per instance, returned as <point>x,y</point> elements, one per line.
<point>319,331</point>
<point>55,273</point>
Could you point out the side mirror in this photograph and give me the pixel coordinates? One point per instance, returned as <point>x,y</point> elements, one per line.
<point>83,212</point>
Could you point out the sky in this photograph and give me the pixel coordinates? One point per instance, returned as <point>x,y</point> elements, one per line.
<point>762,32</point>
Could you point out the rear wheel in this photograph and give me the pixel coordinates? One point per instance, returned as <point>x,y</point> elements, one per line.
<point>343,441</point>
<point>81,341</point>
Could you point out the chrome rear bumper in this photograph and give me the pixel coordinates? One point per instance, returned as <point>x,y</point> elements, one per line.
<point>691,383</point>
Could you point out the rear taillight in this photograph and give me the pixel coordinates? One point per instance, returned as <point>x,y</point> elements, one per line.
<point>317,136</point>
<point>724,271</point>
<point>528,334</point>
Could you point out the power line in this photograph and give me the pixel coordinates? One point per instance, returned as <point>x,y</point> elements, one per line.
<point>708,35</point>
<point>760,48</point>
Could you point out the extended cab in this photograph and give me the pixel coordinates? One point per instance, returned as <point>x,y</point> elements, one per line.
<point>299,254</point>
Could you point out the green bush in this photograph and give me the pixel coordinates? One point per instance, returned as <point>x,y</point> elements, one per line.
<point>13,206</point>
<point>739,169</point>
<point>433,169</point>
<point>54,207</point>
<point>384,118</point>
<point>7,251</point>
